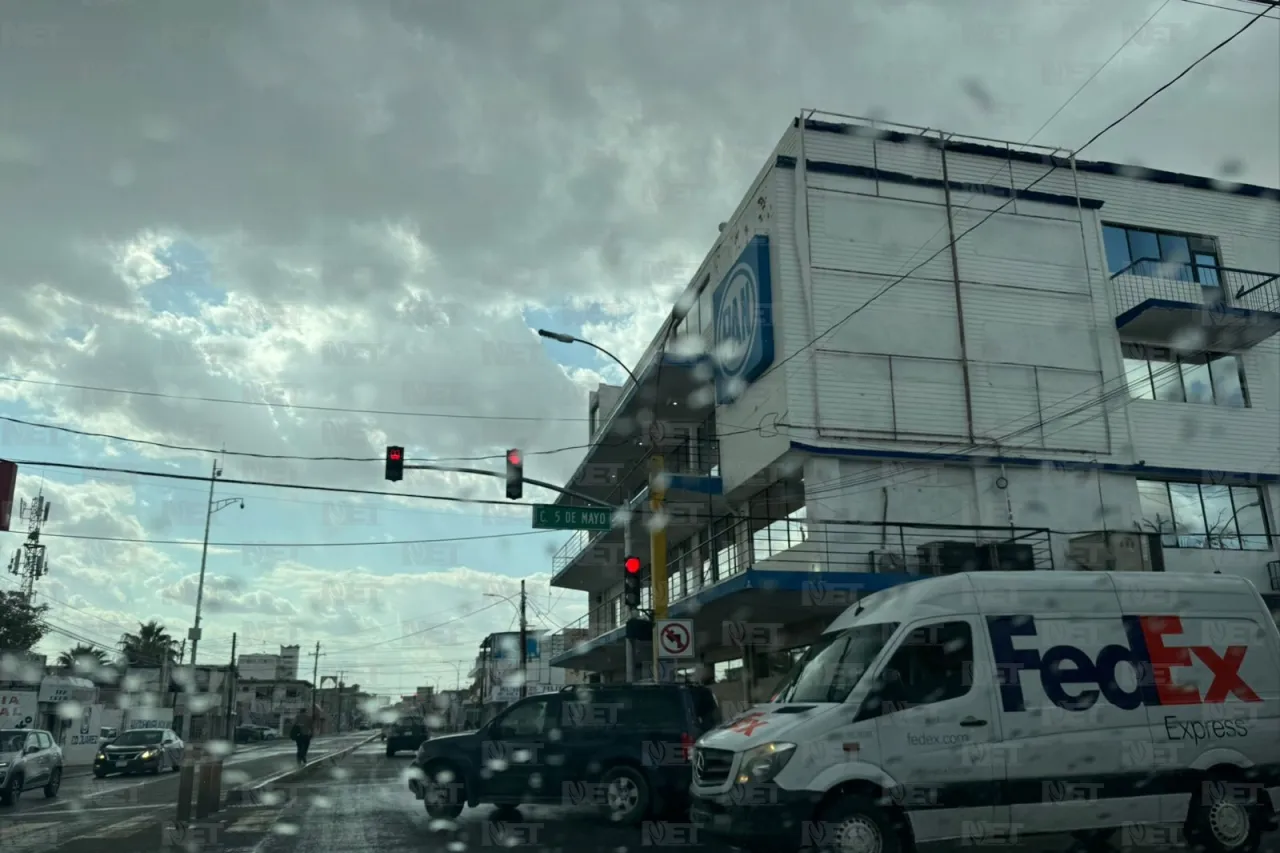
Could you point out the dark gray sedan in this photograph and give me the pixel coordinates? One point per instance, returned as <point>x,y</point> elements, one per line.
<point>140,751</point>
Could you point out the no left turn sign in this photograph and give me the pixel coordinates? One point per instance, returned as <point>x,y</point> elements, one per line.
<point>675,638</point>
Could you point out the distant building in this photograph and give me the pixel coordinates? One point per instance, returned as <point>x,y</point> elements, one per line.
<point>264,667</point>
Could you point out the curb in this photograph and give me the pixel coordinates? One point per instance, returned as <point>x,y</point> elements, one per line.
<point>251,794</point>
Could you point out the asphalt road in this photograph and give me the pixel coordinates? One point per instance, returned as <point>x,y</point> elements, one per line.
<point>363,805</point>
<point>102,812</point>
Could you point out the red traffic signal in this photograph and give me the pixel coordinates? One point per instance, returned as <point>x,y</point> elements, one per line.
<point>632,565</point>
<point>395,463</point>
<point>515,474</point>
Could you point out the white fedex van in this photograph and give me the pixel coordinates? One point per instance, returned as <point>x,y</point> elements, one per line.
<point>985,707</point>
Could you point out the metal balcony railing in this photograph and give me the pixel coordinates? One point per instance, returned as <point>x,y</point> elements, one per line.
<point>801,544</point>
<point>1196,284</point>
<point>697,456</point>
<point>601,619</point>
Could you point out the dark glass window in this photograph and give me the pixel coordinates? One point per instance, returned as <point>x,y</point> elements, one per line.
<point>1197,515</point>
<point>1216,379</point>
<point>1159,254</point>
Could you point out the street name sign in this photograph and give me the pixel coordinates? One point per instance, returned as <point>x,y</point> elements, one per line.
<point>550,517</point>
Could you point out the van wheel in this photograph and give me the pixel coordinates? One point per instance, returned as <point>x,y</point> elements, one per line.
<point>1225,817</point>
<point>855,823</point>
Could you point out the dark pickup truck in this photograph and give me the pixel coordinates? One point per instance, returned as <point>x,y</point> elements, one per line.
<point>621,748</point>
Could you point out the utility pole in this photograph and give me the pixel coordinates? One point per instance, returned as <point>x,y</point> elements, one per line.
<point>212,507</point>
<point>29,562</point>
<point>315,680</point>
<point>341,684</point>
<point>232,682</point>
<point>524,644</point>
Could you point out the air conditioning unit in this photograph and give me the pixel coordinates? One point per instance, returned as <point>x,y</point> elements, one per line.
<point>948,558</point>
<point>1110,552</point>
<point>887,561</point>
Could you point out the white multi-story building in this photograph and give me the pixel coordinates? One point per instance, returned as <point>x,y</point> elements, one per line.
<point>264,667</point>
<point>932,353</point>
<point>258,667</point>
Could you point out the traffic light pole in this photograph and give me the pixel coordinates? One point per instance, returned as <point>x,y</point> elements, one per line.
<point>659,539</point>
<point>422,466</point>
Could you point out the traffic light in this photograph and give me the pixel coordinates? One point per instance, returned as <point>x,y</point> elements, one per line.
<point>395,464</point>
<point>631,582</point>
<point>515,475</point>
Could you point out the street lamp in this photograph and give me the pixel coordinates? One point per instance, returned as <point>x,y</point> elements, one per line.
<point>524,635</point>
<point>214,506</point>
<point>570,339</point>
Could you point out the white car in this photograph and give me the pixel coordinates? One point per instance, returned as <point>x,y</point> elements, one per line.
<point>985,707</point>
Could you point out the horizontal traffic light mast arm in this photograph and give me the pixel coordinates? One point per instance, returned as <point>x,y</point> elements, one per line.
<point>530,480</point>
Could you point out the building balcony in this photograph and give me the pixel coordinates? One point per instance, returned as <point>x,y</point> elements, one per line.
<point>794,571</point>
<point>672,403</point>
<point>1216,309</point>
<point>693,498</point>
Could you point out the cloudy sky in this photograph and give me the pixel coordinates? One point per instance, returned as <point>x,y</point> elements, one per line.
<point>217,215</point>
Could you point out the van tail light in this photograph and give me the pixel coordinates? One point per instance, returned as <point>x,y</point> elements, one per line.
<point>686,746</point>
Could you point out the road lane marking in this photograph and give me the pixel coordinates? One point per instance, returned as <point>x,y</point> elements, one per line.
<point>109,788</point>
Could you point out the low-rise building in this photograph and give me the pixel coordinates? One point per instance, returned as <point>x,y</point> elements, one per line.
<point>910,353</point>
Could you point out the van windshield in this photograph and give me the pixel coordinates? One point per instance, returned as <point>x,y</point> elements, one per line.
<point>834,665</point>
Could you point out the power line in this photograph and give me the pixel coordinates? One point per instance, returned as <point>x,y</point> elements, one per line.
<point>143,541</point>
<point>164,475</point>
<point>287,457</point>
<point>1052,169</point>
<point>1231,8</point>
<point>299,406</point>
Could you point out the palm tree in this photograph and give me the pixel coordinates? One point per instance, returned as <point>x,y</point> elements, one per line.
<point>83,657</point>
<point>150,647</point>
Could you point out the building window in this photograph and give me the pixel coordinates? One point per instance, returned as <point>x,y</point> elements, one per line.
<point>776,518</point>
<point>1195,515</point>
<point>593,417</point>
<point>1156,254</point>
<point>1156,373</point>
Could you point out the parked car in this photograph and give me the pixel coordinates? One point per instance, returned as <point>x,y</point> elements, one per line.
<point>624,748</point>
<point>268,733</point>
<point>29,759</point>
<point>140,751</point>
<point>406,733</point>
<point>248,734</point>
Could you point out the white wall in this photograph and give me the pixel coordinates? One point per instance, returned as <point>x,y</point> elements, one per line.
<point>1034,306</point>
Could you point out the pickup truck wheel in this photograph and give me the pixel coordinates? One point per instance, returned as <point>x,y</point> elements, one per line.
<point>626,793</point>
<point>443,792</point>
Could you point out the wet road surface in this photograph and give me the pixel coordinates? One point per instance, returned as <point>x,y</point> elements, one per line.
<point>362,805</point>
<point>101,812</point>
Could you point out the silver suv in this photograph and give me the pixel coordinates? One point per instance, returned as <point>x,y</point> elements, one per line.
<point>29,759</point>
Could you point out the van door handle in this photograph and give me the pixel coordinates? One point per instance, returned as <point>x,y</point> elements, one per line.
<point>972,722</point>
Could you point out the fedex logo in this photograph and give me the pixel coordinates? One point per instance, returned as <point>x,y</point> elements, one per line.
<point>1065,666</point>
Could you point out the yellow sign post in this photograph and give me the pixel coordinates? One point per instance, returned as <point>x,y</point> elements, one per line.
<point>657,548</point>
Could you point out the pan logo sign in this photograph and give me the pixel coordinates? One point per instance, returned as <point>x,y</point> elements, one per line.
<point>743,308</point>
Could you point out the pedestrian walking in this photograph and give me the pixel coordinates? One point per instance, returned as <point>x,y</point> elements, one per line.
<point>301,735</point>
